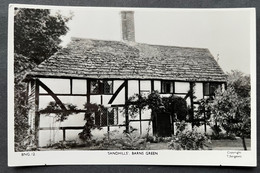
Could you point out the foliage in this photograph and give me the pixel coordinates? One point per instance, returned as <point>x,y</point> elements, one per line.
<point>216,130</point>
<point>21,107</point>
<point>37,33</point>
<point>131,141</point>
<point>64,145</point>
<point>232,111</point>
<point>231,107</point>
<point>222,135</point>
<point>90,125</point>
<point>128,141</point>
<point>175,105</point>
<point>188,139</point>
<point>240,83</point>
<point>36,37</point>
<point>60,115</point>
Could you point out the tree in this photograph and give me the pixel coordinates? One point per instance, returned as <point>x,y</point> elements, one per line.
<point>37,33</point>
<point>36,37</point>
<point>231,107</point>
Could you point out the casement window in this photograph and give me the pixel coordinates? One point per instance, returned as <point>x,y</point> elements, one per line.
<point>167,87</point>
<point>101,87</point>
<point>106,117</point>
<point>210,88</point>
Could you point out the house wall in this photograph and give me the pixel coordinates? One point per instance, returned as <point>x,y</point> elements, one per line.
<point>75,91</point>
<point>31,103</point>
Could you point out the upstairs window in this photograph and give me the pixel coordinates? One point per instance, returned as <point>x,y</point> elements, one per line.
<point>167,87</point>
<point>101,87</point>
<point>210,88</point>
<point>108,87</point>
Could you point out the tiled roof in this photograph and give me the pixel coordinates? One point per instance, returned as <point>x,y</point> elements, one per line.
<point>87,58</point>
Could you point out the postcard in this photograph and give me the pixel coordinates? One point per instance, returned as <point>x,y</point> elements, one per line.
<point>131,86</point>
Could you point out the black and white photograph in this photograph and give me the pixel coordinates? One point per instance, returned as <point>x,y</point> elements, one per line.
<point>131,86</point>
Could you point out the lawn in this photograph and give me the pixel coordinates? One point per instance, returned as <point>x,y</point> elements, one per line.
<point>224,144</point>
<point>230,144</point>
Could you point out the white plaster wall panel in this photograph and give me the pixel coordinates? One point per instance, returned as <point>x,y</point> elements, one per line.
<point>106,99</point>
<point>195,107</point>
<point>79,86</point>
<point>121,115</point>
<point>188,101</point>
<point>133,88</point>
<point>223,86</point>
<point>74,120</point>
<point>133,116</point>
<point>157,85</point>
<point>44,101</point>
<point>99,134</point>
<point>174,128</point>
<point>116,131</point>
<point>165,95</point>
<point>206,97</point>
<point>73,135</point>
<point>50,120</point>
<point>31,119</point>
<point>198,91</point>
<point>145,85</point>
<point>78,101</point>
<point>146,128</point>
<point>95,99</point>
<point>182,96</point>
<point>29,88</point>
<point>146,114</point>
<point>135,125</point>
<point>120,99</point>
<point>201,129</point>
<point>58,86</point>
<point>47,137</point>
<point>182,87</point>
<point>188,126</point>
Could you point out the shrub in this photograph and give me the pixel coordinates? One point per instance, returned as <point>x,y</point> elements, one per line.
<point>188,139</point>
<point>63,145</point>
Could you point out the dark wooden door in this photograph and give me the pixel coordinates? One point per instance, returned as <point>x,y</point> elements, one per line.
<point>163,124</point>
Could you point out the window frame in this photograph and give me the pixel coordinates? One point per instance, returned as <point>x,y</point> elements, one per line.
<point>211,87</point>
<point>101,88</point>
<point>101,119</point>
<point>171,84</point>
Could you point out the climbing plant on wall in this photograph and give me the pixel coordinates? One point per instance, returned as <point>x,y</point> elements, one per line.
<point>176,106</point>
<point>91,110</point>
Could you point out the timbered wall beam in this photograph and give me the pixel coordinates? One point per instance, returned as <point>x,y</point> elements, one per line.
<point>124,84</point>
<point>50,92</point>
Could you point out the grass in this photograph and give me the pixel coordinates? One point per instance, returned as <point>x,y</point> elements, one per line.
<point>223,144</point>
<point>227,144</point>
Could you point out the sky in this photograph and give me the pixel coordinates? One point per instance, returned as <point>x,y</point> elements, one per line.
<point>226,33</point>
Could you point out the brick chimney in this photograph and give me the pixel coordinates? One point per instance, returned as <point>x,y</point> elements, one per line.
<point>128,27</point>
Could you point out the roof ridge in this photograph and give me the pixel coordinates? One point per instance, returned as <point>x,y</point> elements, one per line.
<point>134,43</point>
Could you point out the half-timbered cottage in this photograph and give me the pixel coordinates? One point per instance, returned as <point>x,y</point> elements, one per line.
<point>108,73</point>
